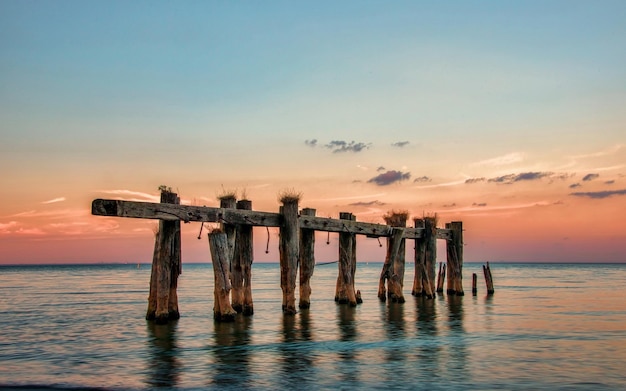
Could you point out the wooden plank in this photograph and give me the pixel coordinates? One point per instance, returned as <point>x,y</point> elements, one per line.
<point>186,213</point>
<point>190,213</point>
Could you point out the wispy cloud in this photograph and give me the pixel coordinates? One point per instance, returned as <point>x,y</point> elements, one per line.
<point>390,177</point>
<point>527,176</point>
<point>15,228</point>
<point>511,158</point>
<point>7,227</point>
<point>574,160</point>
<point>596,195</point>
<point>475,180</point>
<point>63,213</point>
<point>445,184</point>
<point>339,146</point>
<point>311,143</point>
<point>135,195</point>
<point>54,200</point>
<point>485,207</point>
<point>606,152</point>
<point>356,197</point>
<point>400,144</point>
<point>590,177</point>
<point>370,203</point>
<point>422,179</point>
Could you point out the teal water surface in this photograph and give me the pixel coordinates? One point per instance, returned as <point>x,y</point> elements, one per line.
<point>548,326</point>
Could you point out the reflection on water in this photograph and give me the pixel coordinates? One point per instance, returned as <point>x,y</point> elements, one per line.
<point>548,327</point>
<point>458,353</point>
<point>163,361</point>
<point>296,355</point>
<point>427,353</point>
<point>348,368</point>
<point>230,352</point>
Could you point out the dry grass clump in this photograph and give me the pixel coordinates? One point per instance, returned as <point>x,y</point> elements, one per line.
<point>165,189</point>
<point>288,196</point>
<point>427,216</point>
<point>244,195</point>
<point>227,194</point>
<point>396,217</point>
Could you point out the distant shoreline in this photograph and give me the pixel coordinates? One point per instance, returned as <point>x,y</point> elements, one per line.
<point>147,264</point>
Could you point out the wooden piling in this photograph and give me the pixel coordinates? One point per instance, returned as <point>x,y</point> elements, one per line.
<point>357,294</point>
<point>289,251</point>
<point>418,286</point>
<point>345,292</point>
<point>393,269</point>
<point>229,201</point>
<point>441,277</point>
<point>488,279</point>
<point>430,253</point>
<point>454,250</point>
<point>176,270</point>
<point>474,287</point>
<point>307,260</point>
<point>220,253</point>
<point>423,283</point>
<point>166,266</point>
<point>241,268</point>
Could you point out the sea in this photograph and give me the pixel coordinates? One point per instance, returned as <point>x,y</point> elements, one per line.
<point>546,327</point>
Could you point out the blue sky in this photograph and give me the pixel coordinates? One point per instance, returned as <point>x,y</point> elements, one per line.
<point>113,96</point>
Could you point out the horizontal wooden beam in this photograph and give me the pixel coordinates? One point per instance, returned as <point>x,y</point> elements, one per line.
<point>189,213</point>
<point>186,213</point>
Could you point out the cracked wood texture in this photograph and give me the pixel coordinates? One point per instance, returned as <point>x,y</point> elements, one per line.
<point>190,213</point>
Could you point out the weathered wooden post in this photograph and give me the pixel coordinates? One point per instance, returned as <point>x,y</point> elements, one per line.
<point>359,299</point>
<point>241,268</point>
<point>220,255</point>
<point>176,270</point>
<point>430,253</point>
<point>229,201</point>
<point>419,244</point>
<point>393,269</point>
<point>454,250</point>
<point>474,287</point>
<point>307,260</point>
<point>345,293</point>
<point>441,277</point>
<point>289,250</point>
<point>488,279</point>
<point>422,285</point>
<point>166,266</point>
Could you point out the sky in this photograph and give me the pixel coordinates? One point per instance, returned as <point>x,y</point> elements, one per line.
<point>506,115</point>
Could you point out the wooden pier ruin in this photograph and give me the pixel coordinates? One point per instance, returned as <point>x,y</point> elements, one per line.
<point>232,255</point>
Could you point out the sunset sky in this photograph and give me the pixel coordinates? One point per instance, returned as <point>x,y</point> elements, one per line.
<point>507,115</point>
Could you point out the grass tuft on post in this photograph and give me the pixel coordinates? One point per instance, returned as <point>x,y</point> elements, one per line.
<point>227,195</point>
<point>289,196</point>
<point>393,216</point>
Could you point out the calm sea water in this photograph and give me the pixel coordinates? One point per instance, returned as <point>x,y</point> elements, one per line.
<point>550,327</point>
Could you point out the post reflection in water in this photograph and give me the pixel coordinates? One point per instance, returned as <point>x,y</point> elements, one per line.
<point>348,367</point>
<point>427,333</point>
<point>231,353</point>
<point>296,353</point>
<point>163,363</point>
<point>458,349</point>
<point>395,330</point>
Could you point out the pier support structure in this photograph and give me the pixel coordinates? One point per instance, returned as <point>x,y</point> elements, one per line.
<point>307,260</point>
<point>166,267</point>
<point>289,249</point>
